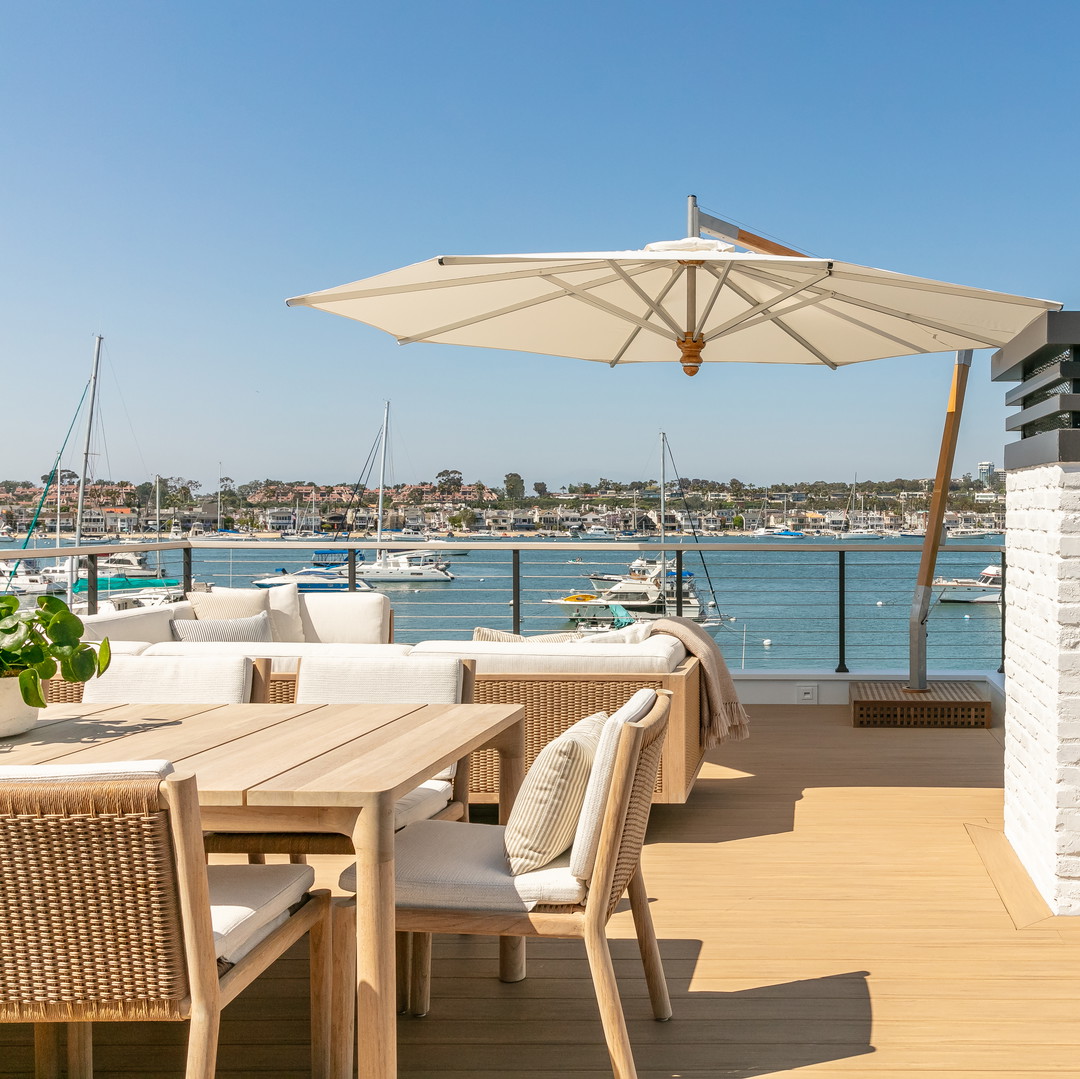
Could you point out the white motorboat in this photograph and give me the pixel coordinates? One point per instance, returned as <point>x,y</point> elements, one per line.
<point>313,579</point>
<point>25,578</point>
<point>986,588</point>
<point>856,534</point>
<point>594,532</point>
<point>641,597</point>
<point>386,566</point>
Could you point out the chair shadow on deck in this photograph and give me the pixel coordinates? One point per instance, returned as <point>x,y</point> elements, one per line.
<point>480,1025</point>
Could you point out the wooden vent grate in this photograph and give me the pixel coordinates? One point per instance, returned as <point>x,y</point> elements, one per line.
<point>944,704</point>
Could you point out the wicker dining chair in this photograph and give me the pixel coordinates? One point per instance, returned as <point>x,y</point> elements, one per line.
<point>454,879</point>
<point>109,913</point>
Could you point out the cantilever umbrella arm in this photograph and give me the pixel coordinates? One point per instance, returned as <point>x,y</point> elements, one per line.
<point>920,604</point>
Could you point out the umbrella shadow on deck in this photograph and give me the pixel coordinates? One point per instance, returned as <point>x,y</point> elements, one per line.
<point>478,1024</point>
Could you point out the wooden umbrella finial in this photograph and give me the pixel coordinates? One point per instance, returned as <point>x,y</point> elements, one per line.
<point>691,347</point>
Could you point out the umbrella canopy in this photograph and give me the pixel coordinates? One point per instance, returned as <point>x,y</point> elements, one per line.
<point>692,301</point>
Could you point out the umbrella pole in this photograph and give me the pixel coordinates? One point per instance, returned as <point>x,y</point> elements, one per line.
<point>920,604</point>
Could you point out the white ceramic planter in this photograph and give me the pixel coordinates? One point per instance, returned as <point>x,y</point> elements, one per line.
<point>16,716</point>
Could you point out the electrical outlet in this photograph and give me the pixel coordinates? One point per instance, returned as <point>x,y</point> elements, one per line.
<point>806,693</point>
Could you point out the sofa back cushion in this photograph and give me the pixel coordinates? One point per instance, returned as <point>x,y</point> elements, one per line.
<point>659,654</point>
<point>153,624</point>
<point>345,617</point>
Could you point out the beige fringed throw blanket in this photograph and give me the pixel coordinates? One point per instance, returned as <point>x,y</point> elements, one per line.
<point>723,718</point>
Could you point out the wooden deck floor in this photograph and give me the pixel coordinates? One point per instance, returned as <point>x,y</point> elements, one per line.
<point>822,910</point>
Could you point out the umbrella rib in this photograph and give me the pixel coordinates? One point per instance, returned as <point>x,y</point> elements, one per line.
<point>763,305</point>
<point>336,296</point>
<point>768,316</point>
<point>786,329</point>
<point>872,329</point>
<point>603,305</point>
<point>652,305</point>
<point>906,316</point>
<point>521,305</point>
<point>923,285</point>
<point>717,289</point>
<point>676,273</point>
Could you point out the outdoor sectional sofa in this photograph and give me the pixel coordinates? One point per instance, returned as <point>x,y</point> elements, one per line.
<point>558,683</point>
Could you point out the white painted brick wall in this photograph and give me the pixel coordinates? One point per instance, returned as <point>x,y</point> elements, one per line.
<point>1042,683</point>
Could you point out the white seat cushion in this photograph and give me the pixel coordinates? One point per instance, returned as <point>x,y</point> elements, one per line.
<point>590,822</point>
<point>447,865</point>
<point>113,770</point>
<point>431,797</point>
<point>282,653</point>
<point>248,902</point>
<point>147,679</point>
<point>126,648</point>
<point>427,680</point>
<point>659,654</point>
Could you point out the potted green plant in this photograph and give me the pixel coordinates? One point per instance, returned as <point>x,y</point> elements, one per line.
<point>37,643</point>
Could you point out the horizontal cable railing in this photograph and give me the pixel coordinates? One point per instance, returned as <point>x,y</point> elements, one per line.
<point>769,605</point>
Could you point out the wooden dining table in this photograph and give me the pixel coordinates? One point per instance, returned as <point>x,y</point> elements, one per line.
<point>335,768</point>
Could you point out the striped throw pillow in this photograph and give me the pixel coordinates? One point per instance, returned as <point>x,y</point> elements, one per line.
<point>256,628</point>
<point>544,819</point>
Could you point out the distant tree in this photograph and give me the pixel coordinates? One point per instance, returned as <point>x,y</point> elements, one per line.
<point>541,488</point>
<point>448,481</point>
<point>515,486</point>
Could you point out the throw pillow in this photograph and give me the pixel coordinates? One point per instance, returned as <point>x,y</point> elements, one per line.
<point>256,628</point>
<point>229,602</point>
<point>544,819</point>
<point>587,839</point>
<point>285,621</point>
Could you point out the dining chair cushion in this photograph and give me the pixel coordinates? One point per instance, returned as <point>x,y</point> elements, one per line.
<point>254,628</point>
<point>167,679</point>
<point>395,680</point>
<point>587,839</point>
<point>111,771</point>
<point>482,633</point>
<point>248,902</point>
<point>545,814</point>
<point>448,865</point>
<point>431,797</point>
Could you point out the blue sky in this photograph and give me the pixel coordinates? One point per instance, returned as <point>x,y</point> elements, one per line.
<point>174,171</point>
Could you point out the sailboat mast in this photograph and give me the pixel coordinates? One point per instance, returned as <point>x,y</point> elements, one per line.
<point>663,518</point>
<point>382,478</point>
<point>86,444</point>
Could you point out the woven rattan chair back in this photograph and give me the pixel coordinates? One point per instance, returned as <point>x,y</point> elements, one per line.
<point>90,922</point>
<point>626,815</point>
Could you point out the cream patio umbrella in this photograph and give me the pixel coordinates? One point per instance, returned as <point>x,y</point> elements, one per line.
<point>695,301</point>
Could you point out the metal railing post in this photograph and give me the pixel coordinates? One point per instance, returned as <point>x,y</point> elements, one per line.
<point>91,584</point>
<point>841,606</point>
<point>678,582</point>
<point>187,569</point>
<point>351,553</point>
<point>515,588</point>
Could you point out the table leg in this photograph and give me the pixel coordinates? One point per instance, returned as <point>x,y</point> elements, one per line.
<point>511,746</point>
<point>376,993</point>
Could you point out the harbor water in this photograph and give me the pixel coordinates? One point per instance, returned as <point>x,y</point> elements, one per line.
<point>774,609</point>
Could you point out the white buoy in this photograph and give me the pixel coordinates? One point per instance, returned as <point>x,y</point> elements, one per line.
<point>480,578</point>
<point>880,603</point>
<point>732,619</point>
<point>967,615</point>
<point>767,642</point>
